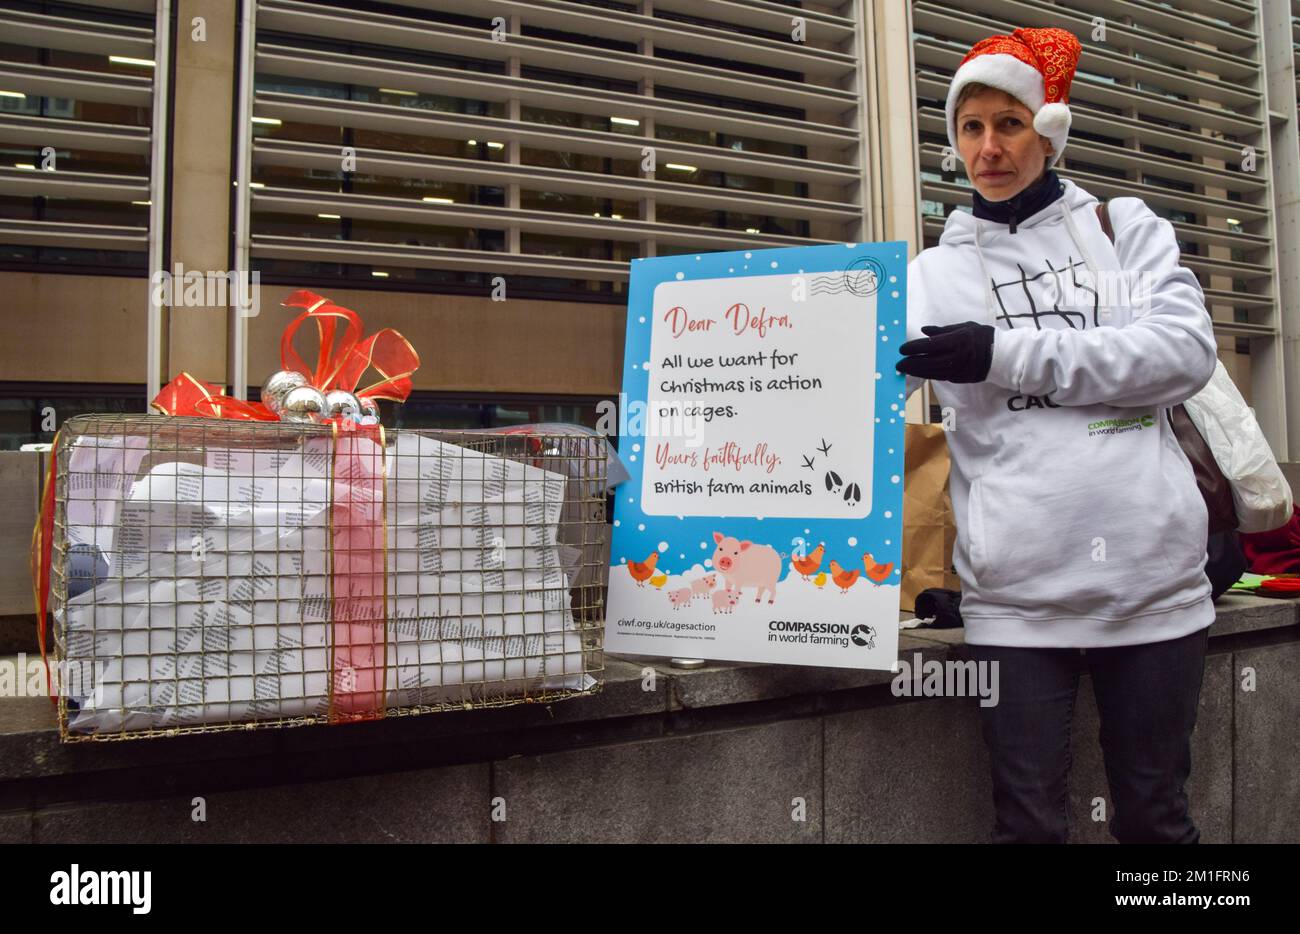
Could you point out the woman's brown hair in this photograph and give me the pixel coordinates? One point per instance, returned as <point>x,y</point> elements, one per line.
<point>975,87</point>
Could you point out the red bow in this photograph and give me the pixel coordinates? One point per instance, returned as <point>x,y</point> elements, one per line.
<point>387,352</point>
<point>186,395</point>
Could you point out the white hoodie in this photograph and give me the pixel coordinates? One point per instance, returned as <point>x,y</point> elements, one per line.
<point>1079,521</point>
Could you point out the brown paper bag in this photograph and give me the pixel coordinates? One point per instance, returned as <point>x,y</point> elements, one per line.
<point>929,528</point>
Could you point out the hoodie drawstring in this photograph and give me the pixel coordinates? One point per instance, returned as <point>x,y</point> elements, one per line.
<point>984,276</point>
<point>1078,241</point>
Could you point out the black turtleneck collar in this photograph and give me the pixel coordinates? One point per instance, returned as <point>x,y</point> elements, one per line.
<point>1024,204</point>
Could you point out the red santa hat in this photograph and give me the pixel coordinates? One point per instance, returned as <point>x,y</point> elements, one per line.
<point>1035,66</point>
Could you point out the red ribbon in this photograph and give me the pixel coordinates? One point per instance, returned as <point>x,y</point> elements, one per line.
<point>42,549</point>
<point>386,351</point>
<point>186,395</point>
<point>358,555</point>
<point>358,575</point>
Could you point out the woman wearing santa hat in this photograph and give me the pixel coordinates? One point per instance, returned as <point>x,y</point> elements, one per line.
<point>1081,533</point>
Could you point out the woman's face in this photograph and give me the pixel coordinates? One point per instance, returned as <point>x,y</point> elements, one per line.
<point>1002,151</point>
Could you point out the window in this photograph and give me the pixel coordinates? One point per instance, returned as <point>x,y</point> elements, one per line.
<point>714,128</point>
<point>92,183</point>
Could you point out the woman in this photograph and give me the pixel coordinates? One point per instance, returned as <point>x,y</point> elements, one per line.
<point>1081,532</point>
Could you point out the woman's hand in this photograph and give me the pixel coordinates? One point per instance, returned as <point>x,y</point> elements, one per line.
<point>956,353</point>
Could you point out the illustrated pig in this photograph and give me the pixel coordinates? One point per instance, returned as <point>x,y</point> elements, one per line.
<point>744,564</point>
<point>703,585</point>
<point>679,598</point>
<point>724,600</point>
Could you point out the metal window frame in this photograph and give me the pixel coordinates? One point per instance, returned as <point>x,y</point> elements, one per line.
<point>76,29</point>
<point>1280,22</point>
<point>158,193</point>
<point>832,99</point>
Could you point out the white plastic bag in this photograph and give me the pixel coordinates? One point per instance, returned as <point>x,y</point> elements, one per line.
<point>1259,490</point>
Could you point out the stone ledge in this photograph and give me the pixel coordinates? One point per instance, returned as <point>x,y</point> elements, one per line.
<point>621,711</point>
<point>721,683</point>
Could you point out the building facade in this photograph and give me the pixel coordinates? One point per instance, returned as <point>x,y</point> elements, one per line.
<point>478,173</point>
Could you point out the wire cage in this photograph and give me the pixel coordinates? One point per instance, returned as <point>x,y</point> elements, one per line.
<point>210,575</point>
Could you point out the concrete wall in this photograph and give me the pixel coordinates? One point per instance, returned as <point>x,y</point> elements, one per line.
<point>62,328</point>
<point>726,753</point>
<point>70,329</point>
<point>469,343</point>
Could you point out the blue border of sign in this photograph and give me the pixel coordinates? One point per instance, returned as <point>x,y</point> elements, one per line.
<point>636,534</point>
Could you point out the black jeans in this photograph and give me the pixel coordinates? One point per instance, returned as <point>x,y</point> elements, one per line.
<point>1146,698</point>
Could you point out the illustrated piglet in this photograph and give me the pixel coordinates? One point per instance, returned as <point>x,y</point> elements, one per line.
<point>724,600</point>
<point>703,585</point>
<point>679,598</point>
<point>744,564</point>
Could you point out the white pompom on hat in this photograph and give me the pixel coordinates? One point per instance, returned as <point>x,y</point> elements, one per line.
<point>1035,66</point>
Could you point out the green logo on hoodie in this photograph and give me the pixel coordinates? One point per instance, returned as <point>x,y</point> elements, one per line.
<point>1114,426</point>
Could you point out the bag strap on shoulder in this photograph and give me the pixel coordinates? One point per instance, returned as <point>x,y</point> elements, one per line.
<point>1103,215</point>
<point>1215,488</point>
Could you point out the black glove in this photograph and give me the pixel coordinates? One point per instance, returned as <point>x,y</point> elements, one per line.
<point>957,353</point>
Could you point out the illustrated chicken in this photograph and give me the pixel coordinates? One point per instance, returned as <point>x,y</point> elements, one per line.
<point>642,570</point>
<point>878,573</point>
<point>843,579</point>
<point>659,580</point>
<point>808,566</point>
<point>820,580</point>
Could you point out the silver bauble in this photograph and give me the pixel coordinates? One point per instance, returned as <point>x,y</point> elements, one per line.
<point>339,403</point>
<point>370,407</point>
<point>303,404</point>
<point>278,385</point>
